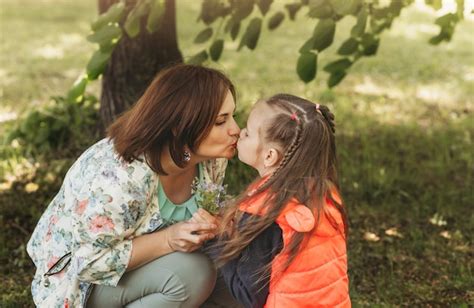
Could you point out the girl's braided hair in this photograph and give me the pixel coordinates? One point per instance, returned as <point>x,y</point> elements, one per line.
<point>301,118</point>
<point>307,172</point>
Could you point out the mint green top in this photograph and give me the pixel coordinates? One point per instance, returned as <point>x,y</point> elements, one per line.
<point>170,212</point>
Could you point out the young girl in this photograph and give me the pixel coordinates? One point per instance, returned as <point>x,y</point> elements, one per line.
<point>284,241</point>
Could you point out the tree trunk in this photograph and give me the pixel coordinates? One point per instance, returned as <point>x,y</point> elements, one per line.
<point>135,62</point>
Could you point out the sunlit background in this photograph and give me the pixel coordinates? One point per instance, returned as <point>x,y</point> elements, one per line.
<point>404,127</point>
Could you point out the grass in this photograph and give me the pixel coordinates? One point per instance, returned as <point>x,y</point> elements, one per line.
<point>404,129</point>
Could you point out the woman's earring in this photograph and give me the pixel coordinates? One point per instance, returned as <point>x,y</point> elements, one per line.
<point>187,156</point>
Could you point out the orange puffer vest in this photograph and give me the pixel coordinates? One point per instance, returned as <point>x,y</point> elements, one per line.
<point>317,277</point>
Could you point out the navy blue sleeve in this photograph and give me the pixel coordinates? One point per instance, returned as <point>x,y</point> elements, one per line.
<point>242,275</point>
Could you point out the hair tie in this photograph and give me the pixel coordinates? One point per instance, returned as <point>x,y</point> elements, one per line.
<point>294,117</point>
<point>317,109</point>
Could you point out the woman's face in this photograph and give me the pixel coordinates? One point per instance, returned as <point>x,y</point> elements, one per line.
<point>222,140</point>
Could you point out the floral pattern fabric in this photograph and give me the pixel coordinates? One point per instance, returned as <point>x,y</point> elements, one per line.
<point>85,235</point>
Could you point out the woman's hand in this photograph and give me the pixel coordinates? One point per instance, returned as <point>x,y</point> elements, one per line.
<point>202,216</point>
<point>189,235</point>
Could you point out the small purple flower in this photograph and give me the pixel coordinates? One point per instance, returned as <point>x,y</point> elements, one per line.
<point>209,196</point>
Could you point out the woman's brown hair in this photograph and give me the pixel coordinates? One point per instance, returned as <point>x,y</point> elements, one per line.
<point>178,109</point>
<point>307,171</point>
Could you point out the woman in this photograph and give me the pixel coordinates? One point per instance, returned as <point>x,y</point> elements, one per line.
<point>117,233</point>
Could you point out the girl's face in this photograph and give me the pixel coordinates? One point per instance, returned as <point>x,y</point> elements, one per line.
<point>250,145</point>
<point>222,140</point>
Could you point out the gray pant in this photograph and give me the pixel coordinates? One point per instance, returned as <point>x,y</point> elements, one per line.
<point>175,280</point>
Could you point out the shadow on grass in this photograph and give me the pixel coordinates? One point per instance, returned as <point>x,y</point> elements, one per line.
<point>393,177</point>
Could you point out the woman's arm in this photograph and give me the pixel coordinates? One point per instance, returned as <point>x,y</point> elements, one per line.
<point>101,231</point>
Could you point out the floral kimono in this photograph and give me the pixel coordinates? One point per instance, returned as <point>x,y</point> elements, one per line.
<point>85,235</point>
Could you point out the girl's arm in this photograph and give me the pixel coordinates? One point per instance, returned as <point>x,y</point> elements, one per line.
<point>248,277</point>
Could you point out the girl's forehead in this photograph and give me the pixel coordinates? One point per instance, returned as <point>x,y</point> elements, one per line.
<point>258,108</point>
<point>255,113</point>
<point>260,113</point>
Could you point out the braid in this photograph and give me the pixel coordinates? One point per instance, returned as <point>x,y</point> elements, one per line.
<point>292,148</point>
<point>289,152</point>
<point>301,120</point>
<point>328,116</point>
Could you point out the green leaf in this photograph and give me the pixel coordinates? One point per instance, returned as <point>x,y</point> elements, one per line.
<point>252,33</point>
<point>113,15</point>
<point>335,78</point>
<point>97,64</point>
<point>316,4</point>
<point>234,31</point>
<point>242,9</point>
<point>109,46</point>
<point>213,9</point>
<point>264,6</point>
<point>447,23</point>
<point>435,40</point>
<point>76,93</point>
<point>132,23</point>
<point>228,25</point>
<point>381,13</point>
<point>203,36</point>
<point>338,65</point>
<point>233,26</point>
<point>155,16</point>
<point>306,66</point>
<point>320,9</point>
<point>348,47</point>
<point>379,25</point>
<point>342,7</point>
<point>370,44</point>
<point>275,20</point>
<point>106,34</point>
<point>293,8</point>
<point>308,45</point>
<point>447,20</point>
<point>359,27</point>
<point>324,34</point>
<point>357,5</point>
<point>216,49</point>
<point>198,58</point>
<point>436,4</point>
<point>396,8</point>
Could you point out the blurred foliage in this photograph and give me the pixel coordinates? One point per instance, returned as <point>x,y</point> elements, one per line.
<point>223,18</point>
<point>34,157</point>
<point>61,128</point>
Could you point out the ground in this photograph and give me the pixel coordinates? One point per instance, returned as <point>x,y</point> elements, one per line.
<point>404,131</point>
